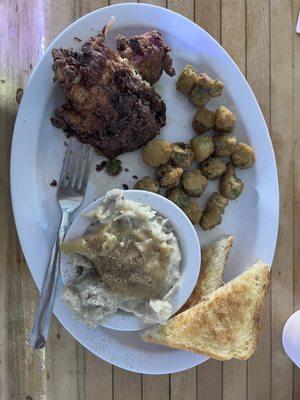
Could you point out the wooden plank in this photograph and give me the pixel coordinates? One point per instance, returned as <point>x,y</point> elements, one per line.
<point>258,76</point>
<point>101,377</point>
<point>282,136</point>
<point>258,53</point>
<point>183,384</point>
<point>61,364</point>
<point>296,8</point>
<point>155,387</point>
<point>127,385</point>
<point>184,7</point>
<point>8,243</point>
<point>208,16</point>
<point>111,2</point>
<point>259,365</point>
<point>98,378</point>
<point>87,6</point>
<point>233,30</point>
<point>233,40</point>
<point>62,349</point>
<point>161,3</point>
<point>210,380</point>
<point>56,16</point>
<point>209,374</point>
<point>234,380</point>
<point>24,32</point>
<point>22,369</point>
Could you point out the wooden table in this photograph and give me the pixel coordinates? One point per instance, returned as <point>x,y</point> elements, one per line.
<point>260,36</point>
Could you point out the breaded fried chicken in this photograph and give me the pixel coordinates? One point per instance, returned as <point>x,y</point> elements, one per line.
<point>148,54</point>
<point>108,104</point>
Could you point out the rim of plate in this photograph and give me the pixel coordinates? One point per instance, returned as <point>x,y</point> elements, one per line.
<point>22,171</point>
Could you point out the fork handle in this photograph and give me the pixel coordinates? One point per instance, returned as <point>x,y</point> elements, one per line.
<point>40,329</point>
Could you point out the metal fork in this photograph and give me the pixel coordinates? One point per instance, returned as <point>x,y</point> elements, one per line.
<point>71,190</point>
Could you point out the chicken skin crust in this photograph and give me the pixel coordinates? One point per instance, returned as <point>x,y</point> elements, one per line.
<point>108,104</point>
<point>148,54</point>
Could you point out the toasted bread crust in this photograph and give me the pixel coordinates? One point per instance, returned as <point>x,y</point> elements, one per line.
<point>213,262</point>
<point>225,324</point>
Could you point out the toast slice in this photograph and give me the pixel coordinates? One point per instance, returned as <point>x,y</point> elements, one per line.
<point>225,324</point>
<point>213,262</point>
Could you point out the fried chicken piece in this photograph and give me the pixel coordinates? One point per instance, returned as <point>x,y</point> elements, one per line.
<point>108,104</point>
<point>148,54</point>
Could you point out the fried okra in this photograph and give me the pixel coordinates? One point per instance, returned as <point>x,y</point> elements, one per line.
<point>212,215</point>
<point>178,196</point>
<point>213,168</point>
<point>147,183</point>
<point>204,89</point>
<point>202,146</point>
<point>224,119</point>
<point>194,183</point>
<point>230,185</point>
<point>182,155</point>
<point>186,80</point>
<point>204,81</point>
<point>243,156</point>
<point>224,144</point>
<point>199,97</point>
<point>216,88</point>
<point>157,152</point>
<point>193,211</point>
<point>169,175</point>
<point>203,120</point>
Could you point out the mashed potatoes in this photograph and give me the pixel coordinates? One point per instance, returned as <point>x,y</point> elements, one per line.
<point>129,260</point>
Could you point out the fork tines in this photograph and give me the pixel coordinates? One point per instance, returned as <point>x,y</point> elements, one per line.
<point>76,165</point>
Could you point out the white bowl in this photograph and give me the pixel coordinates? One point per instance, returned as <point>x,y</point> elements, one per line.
<point>188,243</point>
<point>291,338</point>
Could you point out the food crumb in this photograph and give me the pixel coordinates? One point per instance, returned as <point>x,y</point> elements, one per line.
<point>125,187</point>
<point>114,167</point>
<point>2,81</point>
<point>19,94</point>
<point>77,38</point>
<point>135,177</point>
<point>53,183</point>
<point>100,167</point>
